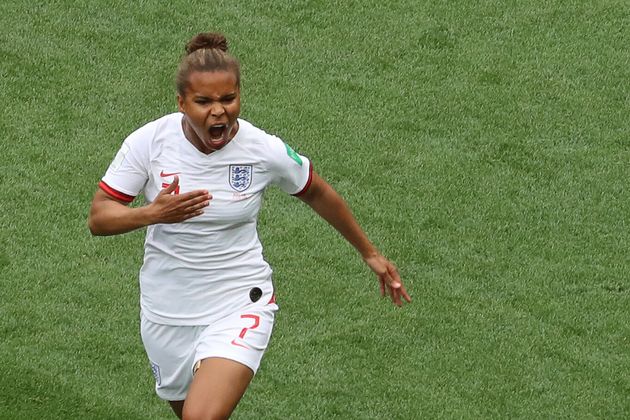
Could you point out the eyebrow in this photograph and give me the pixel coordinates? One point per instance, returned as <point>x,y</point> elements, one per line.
<point>227,95</point>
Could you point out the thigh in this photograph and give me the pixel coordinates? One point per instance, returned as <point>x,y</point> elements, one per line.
<point>177,407</point>
<point>229,353</point>
<point>216,389</point>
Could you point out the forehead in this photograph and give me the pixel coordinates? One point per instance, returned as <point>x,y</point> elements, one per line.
<point>212,83</point>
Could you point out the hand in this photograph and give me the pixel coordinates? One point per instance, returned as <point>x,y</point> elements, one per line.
<point>388,278</point>
<point>174,208</point>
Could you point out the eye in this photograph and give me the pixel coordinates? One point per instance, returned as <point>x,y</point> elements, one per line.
<point>201,101</point>
<point>228,99</point>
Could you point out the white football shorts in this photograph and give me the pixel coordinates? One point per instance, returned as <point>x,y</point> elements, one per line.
<point>173,351</point>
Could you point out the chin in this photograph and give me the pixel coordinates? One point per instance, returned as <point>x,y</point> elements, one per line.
<point>212,147</point>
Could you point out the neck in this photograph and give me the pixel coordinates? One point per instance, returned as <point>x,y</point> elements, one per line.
<point>192,137</point>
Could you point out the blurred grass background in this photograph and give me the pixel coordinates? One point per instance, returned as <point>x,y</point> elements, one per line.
<point>483,146</point>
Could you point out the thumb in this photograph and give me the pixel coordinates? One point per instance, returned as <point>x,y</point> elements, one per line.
<point>172,186</point>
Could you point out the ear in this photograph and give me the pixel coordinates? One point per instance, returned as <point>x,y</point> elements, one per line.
<point>180,103</point>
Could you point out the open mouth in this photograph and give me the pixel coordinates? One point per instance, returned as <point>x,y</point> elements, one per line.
<point>218,132</point>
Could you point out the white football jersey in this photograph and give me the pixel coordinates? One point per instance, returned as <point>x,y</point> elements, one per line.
<point>198,270</point>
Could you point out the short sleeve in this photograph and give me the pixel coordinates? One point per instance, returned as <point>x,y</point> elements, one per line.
<point>293,172</point>
<point>128,173</point>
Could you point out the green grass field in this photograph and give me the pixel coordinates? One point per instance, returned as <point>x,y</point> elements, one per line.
<point>484,147</point>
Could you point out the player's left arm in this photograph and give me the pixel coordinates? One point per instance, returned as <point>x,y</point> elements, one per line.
<point>326,202</point>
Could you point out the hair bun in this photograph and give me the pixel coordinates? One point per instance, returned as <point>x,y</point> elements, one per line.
<point>207,40</point>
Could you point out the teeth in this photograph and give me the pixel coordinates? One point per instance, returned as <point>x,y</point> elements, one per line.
<point>217,130</point>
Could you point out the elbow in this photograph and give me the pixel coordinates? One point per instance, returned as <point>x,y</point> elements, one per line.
<point>93,230</point>
<point>94,227</point>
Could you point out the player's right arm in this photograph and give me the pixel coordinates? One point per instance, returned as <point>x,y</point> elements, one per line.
<point>110,216</point>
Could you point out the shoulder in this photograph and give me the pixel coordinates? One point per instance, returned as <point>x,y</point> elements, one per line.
<point>249,130</point>
<point>166,123</point>
<point>262,142</point>
<point>152,131</point>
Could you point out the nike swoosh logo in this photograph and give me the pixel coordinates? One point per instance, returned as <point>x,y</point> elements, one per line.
<point>164,174</point>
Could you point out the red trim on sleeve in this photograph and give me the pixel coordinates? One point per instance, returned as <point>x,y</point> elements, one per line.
<point>308,183</point>
<point>116,194</point>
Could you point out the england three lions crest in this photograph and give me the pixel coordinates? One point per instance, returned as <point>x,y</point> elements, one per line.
<point>240,177</point>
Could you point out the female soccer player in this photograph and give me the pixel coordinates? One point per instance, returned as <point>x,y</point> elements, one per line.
<point>207,299</point>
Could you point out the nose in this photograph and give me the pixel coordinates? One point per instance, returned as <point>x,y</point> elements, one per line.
<point>217,110</point>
